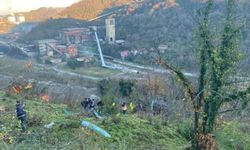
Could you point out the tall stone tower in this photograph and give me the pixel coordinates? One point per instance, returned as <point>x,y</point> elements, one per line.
<point>110,30</point>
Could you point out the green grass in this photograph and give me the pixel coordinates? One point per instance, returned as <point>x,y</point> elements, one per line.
<point>127,131</point>
<point>94,71</point>
<point>12,65</point>
<point>234,136</point>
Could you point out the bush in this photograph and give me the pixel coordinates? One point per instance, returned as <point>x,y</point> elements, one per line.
<point>48,62</point>
<point>110,107</point>
<point>126,87</point>
<point>107,86</point>
<point>73,64</point>
<point>230,136</point>
<point>116,119</point>
<point>186,130</point>
<point>35,121</point>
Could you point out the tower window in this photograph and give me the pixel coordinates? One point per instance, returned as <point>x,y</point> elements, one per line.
<point>111,22</point>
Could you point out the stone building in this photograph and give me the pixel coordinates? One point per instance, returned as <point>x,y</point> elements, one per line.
<point>75,35</point>
<point>110,30</point>
<point>45,46</point>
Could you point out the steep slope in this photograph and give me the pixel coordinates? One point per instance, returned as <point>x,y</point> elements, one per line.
<point>176,26</point>
<point>42,14</point>
<point>127,131</point>
<point>88,9</point>
<point>50,28</point>
<point>169,22</point>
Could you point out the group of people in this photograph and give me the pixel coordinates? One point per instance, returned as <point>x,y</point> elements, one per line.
<point>91,104</point>
<point>138,108</point>
<point>88,104</point>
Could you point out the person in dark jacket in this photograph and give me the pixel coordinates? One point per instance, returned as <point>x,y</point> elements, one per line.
<point>100,104</point>
<point>21,114</point>
<point>139,107</point>
<point>85,103</point>
<point>92,104</point>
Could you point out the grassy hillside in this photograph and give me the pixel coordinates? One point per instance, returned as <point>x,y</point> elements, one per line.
<point>127,131</point>
<point>93,71</point>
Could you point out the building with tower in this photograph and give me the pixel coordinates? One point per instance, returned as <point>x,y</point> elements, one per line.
<point>110,30</point>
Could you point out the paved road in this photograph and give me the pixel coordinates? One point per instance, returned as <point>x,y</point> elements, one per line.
<point>134,68</point>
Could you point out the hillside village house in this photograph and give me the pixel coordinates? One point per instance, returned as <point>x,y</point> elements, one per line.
<point>44,45</point>
<point>72,51</point>
<point>124,54</point>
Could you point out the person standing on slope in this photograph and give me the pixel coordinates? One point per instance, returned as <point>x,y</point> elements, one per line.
<point>124,108</point>
<point>21,115</point>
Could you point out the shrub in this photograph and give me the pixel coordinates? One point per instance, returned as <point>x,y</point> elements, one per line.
<point>73,64</point>
<point>126,87</point>
<point>110,107</point>
<point>107,86</point>
<point>102,86</point>
<point>116,119</point>
<point>186,130</point>
<point>48,62</point>
<point>35,121</point>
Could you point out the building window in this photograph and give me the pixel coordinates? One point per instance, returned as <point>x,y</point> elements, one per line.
<point>111,22</point>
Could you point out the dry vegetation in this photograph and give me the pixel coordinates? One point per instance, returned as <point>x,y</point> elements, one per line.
<point>89,9</point>
<point>5,26</point>
<point>42,14</point>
